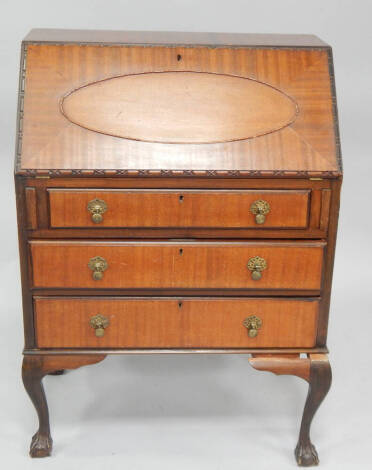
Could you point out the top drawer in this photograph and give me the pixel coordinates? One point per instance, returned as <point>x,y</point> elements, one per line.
<point>73,208</point>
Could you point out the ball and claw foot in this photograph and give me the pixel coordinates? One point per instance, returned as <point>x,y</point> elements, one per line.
<point>306,455</point>
<point>41,445</point>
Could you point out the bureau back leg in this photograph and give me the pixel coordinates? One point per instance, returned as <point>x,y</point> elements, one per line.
<point>316,370</point>
<point>34,369</point>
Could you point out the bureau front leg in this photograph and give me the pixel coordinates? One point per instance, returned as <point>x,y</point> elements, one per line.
<point>319,384</point>
<point>316,370</point>
<point>34,368</point>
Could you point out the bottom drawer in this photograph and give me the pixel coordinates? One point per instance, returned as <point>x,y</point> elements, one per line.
<point>175,323</point>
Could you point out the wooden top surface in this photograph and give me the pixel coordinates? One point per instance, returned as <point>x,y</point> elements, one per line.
<point>176,111</point>
<point>173,38</point>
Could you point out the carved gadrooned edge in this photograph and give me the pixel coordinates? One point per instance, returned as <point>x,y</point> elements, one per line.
<point>109,173</point>
<point>55,173</point>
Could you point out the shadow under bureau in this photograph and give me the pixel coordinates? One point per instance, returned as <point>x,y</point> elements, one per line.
<point>177,193</point>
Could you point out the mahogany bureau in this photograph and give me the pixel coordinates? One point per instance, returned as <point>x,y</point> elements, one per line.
<point>177,193</point>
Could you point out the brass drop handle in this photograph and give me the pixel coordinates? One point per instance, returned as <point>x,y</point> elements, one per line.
<point>253,324</point>
<point>97,207</point>
<point>260,209</point>
<point>99,323</point>
<point>98,265</point>
<point>256,265</point>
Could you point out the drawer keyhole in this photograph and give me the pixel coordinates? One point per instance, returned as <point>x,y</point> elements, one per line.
<point>181,198</point>
<point>181,251</point>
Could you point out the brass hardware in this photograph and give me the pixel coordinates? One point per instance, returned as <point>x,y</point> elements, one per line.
<point>256,265</point>
<point>253,324</point>
<point>97,207</point>
<point>97,265</point>
<point>260,209</point>
<point>99,323</point>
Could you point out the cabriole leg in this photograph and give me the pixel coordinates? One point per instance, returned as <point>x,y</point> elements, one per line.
<point>316,370</point>
<point>32,375</point>
<point>319,385</point>
<point>34,369</point>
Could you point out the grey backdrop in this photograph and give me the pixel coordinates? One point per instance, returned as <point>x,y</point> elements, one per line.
<point>200,412</point>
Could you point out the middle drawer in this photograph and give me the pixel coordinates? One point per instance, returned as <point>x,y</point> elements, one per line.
<point>172,265</point>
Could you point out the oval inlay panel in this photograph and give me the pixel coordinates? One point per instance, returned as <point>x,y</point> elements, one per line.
<point>180,107</point>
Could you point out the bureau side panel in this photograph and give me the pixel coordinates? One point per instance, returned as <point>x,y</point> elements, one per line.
<point>22,218</point>
<point>329,263</point>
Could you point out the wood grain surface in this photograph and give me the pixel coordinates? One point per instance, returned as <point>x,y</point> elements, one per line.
<point>174,208</point>
<point>50,141</point>
<point>168,323</point>
<point>220,265</point>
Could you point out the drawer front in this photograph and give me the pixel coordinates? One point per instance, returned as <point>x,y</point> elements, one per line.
<point>179,208</point>
<point>222,265</point>
<point>175,323</point>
